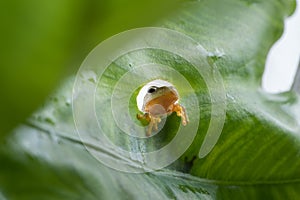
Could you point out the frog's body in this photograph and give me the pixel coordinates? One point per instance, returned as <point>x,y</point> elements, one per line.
<point>158,102</point>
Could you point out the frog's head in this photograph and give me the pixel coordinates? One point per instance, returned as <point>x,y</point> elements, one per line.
<point>155,92</point>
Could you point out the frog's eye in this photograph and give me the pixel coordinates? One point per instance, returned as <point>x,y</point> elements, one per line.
<point>152,89</point>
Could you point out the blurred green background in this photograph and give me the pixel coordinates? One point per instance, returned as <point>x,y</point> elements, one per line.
<point>43,41</point>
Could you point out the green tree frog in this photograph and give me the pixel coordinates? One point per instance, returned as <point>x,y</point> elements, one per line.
<point>159,102</point>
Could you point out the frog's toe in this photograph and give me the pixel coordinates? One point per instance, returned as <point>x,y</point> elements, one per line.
<point>139,116</point>
<point>184,121</point>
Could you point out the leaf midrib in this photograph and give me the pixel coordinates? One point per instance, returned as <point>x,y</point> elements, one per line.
<point>177,174</point>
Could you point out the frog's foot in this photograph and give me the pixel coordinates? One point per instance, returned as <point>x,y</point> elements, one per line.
<point>145,116</point>
<point>180,111</point>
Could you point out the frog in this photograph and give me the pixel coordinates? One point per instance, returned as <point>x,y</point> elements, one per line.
<point>160,102</point>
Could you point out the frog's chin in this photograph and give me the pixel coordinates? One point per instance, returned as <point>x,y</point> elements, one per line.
<point>161,115</point>
<point>156,110</point>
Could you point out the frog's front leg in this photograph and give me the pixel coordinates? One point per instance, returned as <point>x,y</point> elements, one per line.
<point>152,125</point>
<point>153,121</point>
<point>180,111</point>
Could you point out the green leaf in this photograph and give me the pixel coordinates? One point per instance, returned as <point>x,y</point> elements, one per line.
<point>255,157</point>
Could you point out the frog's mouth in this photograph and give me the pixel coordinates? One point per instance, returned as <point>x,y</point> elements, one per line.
<point>162,104</point>
<point>143,91</point>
